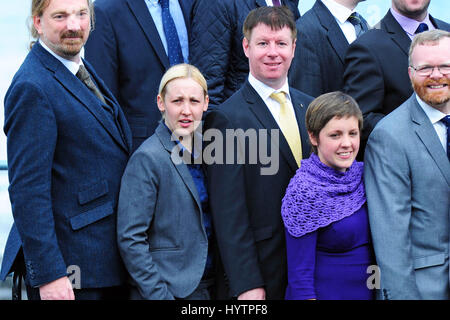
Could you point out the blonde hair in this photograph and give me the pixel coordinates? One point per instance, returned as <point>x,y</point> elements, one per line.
<point>432,37</point>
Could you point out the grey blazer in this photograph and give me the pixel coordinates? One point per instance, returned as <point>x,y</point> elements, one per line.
<point>160,230</point>
<point>407,179</point>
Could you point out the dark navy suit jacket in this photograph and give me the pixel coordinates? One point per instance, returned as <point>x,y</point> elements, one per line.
<point>66,157</point>
<point>318,65</point>
<point>128,54</point>
<point>246,204</point>
<point>376,70</point>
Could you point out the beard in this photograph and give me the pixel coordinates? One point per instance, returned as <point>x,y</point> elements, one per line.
<point>69,45</point>
<point>433,98</point>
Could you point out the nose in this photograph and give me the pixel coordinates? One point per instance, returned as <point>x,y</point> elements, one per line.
<point>346,141</point>
<point>436,73</point>
<point>272,50</point>
<point>186,108</point>
<point>73,23</point>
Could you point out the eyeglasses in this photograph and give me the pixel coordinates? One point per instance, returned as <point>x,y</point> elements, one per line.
<point>426,71</point>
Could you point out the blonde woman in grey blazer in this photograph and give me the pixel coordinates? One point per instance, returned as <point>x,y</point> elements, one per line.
<point>163,224</point>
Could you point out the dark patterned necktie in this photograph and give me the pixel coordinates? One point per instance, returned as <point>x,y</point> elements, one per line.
<point>359,23</point>
<point>421,28</point>
<point>173,42</point>
<point>85,77</point>
<point>446,121</point>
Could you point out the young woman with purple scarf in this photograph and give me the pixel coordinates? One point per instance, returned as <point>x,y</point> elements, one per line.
<point>324,210</point>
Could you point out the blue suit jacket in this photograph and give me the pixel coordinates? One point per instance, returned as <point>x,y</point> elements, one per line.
<point>128,54</point>
<point>407,179</point>
<point>249,229</point>
<point>66,156</point>
<point>318,65</point>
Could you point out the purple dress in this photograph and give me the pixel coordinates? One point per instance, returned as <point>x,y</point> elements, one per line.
<point>327,234</point>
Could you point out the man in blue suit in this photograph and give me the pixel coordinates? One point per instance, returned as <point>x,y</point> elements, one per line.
<point>68,144</point>
<point>129,49</point>
<point>245,199</point>
<point>324,34</point>
<point>407,179</point>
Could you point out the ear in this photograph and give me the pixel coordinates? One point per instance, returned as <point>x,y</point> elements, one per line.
<point>411,73</point>
<point>37,24</point>
<point>205,107</point>
<point>245,44</point>
<point>313,139</point>
<point>160,103</point>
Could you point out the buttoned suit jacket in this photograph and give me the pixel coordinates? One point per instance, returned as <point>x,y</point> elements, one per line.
<point>318,65</point>
<point>66,156</point>
<point>246,204</point>
<point>376,70</point>
<point>407,180</point>
<point>128,54</point>
<point>160,228</point>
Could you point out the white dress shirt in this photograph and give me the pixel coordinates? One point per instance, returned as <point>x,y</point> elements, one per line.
<point>435,117</point>
<point>341,15</point>
<point>264,91</point>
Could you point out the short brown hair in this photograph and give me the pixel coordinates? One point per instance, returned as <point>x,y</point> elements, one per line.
<point>431,37</point>
<point>327,106</point>
<point>275,17</point>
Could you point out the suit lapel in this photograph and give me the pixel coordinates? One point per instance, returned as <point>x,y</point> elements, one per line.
<point>396,32</point>
<point>426,133</point>
<point>166,140</point>
<point>264,116</point>
<point>334,33</point>
<point>144,18</point>
<point>79,91</point>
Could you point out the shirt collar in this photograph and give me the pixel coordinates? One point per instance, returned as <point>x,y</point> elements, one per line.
<point>71,65</point>
<point>410,25</point>
<point>432,113</point>
<point>340,12</point>
<point>153,3</point>
<point>196,146</point>
<point>264,90</point>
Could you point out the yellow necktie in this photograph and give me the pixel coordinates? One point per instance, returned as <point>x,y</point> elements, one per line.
<point>289,126</point>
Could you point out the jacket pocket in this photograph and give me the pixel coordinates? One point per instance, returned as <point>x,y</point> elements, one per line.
<point>83,219</point>
<point>429,261</point>
<point>93,192</point>
<point>263,233</point>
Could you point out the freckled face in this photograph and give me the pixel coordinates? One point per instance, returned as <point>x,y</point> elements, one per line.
<point>338,143</point>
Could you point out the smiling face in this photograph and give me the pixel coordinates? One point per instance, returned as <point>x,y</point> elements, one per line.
<point>435,88</point>
<point>270,54</point>
<point>338,142</point>
<point>64,27</point>
<point>183,104</point>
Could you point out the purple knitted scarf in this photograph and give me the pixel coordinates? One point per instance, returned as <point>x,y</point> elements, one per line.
<point>319,195</point>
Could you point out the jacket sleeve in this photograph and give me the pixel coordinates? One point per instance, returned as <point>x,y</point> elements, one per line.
<point>363,80</point>
<point>101,50</point>
<point>31,130</point>
<point>137,203</point>
<point>388,189</point>
<point>227,191</point>
<point>210,44</point>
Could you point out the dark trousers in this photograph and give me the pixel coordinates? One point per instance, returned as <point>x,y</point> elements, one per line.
<point>111,293</point>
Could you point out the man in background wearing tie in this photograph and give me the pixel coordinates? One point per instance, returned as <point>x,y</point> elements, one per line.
<point>216,42</point>
<point>245,202</point>
<point>134,42</point>
<point>68,144</point>
<point>407,179</point>
<point>324,34</point>
<point>376,63</point>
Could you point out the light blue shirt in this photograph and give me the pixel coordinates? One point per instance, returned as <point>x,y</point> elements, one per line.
<point>177,16</point>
